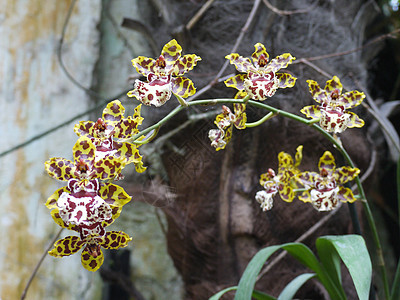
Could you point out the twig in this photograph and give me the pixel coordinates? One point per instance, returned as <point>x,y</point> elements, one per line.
<point>199,14</point>
<point>288,12</point>
<point>39,264</point>
<point>373,41</point>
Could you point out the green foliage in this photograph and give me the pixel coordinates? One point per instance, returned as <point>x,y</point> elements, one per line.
<point>351,249</point>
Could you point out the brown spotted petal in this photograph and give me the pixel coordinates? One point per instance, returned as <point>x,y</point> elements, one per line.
<point>115,240</point>
<point>171,53</point>
<point>242,64</point>
<point>185,64</point>
<point>144,65</point>
<point>60,168</point>
<point>183,87</point>
<point>67,246</point>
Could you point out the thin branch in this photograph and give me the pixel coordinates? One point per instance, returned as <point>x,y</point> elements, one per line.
<point>39,264</point>
<point>288,12</point>
<point>199,14</point>
<point>373,41</point>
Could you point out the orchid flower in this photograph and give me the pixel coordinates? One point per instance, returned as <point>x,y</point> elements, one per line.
<point>225,122</point>
<point>109,134</point>
<point>260,79</point>
<point>279,183</point>
<point>164,75</point>
<point>332,105</point>
<point>324,189</point>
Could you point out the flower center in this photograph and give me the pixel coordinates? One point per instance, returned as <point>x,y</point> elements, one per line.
<point>262,61</point>
<point>100,125</point>
<point>82,166</point>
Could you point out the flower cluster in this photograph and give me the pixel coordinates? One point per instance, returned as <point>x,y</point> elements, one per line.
<point>324,190</point>
<point>164,75</point>
<point>90,202</point>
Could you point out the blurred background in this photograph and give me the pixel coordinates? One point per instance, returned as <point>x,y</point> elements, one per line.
<point>62,61</point>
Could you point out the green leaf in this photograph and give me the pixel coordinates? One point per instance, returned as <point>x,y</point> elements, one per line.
<point>220,293</point>
<point>291,289</point>
<point>256,294</point>
<point>330,259</point>
<point>262,296</point>
<point>395,293</point>
<point>248,280</point>
<point>353,251</point>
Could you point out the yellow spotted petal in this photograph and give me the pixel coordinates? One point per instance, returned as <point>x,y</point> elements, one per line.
<point>286,192</point>
<point>51,202</point>
<point>355,120</point>
<point>298,155</point>
<point>171,53</point>
<point>345,174</point>
<point>242,64</point>
<point>285,160</point>
<point>114,112</point>
<point>144,65</point>
<point>66,246</point>
<point>115,240</point>
<point>109,167</point>
<point>183,87</point>
<point>333,84</point>
<point>285,80</point>
<point>127,128</point>
<point>319,95</point>
<point>60,168</point>
<point>351,99</point>
<point>345,195</point>
<point>227,137</point>
<point>91,263</point>
<point>241,117</point>
<point>259,50</point>
<point>84,128</point>
<point>84,150</point>
<point>327,162</point>
<point>279,62</point>
<point>185,64</point>
<point>114,194</point>
<point>311,111</point>
<point>236,82</point>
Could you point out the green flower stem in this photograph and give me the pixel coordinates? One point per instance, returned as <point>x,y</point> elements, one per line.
<point>148,139</point>
<point>371,221</point>
<point>262,120</point>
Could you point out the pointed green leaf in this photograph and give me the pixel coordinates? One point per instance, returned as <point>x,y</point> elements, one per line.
<point>353,251</point>
<point>291,289</point>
